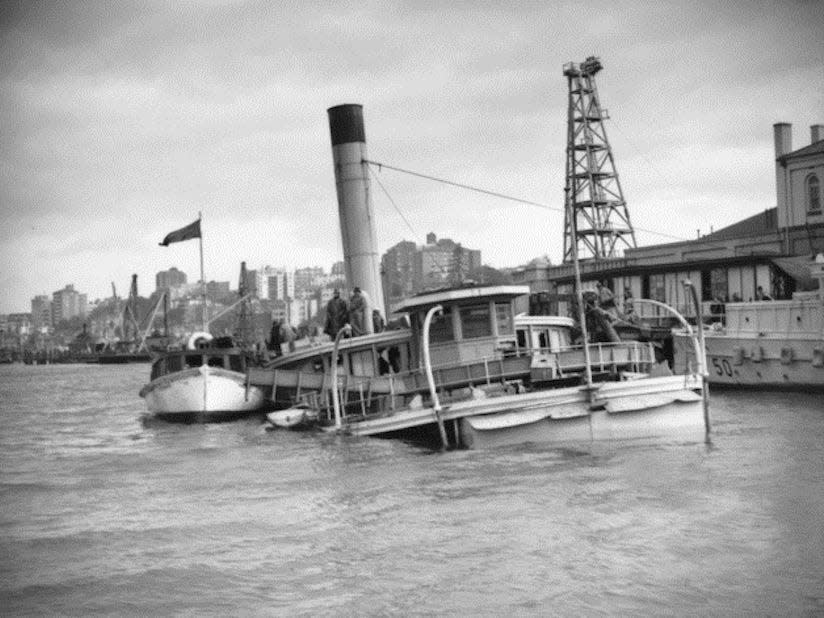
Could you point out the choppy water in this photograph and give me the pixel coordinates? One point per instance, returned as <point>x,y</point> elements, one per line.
<point>101,514</point>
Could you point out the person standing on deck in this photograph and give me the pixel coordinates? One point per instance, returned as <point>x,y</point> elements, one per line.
<point>377,321</point>
<point>287,335</point>
<point>606,299</point>
<point>357,310</point>
<point>274,339</point>
<point>337,314</point>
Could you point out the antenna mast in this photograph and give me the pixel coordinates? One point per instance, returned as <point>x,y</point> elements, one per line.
<point>594,198</point>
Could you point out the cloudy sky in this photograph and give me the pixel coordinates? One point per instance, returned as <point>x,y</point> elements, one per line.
<point>122,120</point>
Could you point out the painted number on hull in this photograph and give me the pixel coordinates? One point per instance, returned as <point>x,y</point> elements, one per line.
<point>722,367</point>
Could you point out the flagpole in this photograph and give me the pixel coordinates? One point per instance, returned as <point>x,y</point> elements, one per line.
<point>202,278</point>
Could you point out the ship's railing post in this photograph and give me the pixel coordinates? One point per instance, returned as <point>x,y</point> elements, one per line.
<point>427,361</point>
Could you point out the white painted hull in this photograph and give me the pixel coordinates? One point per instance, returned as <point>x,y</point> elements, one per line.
<point>202,394</point>
<point>669,408</point>
<point>758,361</point>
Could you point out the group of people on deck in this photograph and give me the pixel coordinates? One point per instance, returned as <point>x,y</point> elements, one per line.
<point>339,313</point>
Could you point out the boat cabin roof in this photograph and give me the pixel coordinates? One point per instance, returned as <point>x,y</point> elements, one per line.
<point>523,320</point>
<point>461,296</point>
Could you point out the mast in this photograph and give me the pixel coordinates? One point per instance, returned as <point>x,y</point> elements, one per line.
<point>202,278</point>
<point>243,313</point>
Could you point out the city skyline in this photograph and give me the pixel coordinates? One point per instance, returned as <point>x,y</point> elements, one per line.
<point>124,121</point>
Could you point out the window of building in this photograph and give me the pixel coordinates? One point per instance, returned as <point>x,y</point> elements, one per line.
<point>657,289</point>
<point>718,282</point>
<point>813,195</point>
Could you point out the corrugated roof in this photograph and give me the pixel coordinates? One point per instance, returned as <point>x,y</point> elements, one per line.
<point>761,223</point>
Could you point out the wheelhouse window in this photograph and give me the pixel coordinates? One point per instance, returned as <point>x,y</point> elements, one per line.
<point>440,329</point>
<point>813,195</point>
<point>475,321</point>
<point>503,315</point>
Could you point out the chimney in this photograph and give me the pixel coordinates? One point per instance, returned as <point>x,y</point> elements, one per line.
<point>783,132</point>
<point>816,133</point>
<point>357,219</point>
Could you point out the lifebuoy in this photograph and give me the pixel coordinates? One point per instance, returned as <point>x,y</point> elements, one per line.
<point>198,339</point>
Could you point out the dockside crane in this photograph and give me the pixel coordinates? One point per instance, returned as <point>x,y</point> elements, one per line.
<point>596,219</point>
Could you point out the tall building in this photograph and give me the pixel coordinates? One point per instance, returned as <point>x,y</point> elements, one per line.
<point>444,262</point>
<point>409,269</point>
<point>217,290</point>
<point>68,303</point>
<point>275,283</point>
<point>41,311</point>
<point>306,279</point>
<point>171,278</point>
<point>398,267</point>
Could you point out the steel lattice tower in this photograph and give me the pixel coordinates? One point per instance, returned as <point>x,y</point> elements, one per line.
<point>596,216</point>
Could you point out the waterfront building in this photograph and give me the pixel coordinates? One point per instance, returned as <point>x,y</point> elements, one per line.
<point>767,250</point>
<point>171,278</point>
<point>68,303</point>
<point>41,311</point>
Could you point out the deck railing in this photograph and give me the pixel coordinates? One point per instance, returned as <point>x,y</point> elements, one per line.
<point>367,395</point>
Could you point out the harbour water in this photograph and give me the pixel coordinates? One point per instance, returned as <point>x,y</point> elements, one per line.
<point>103,513</point>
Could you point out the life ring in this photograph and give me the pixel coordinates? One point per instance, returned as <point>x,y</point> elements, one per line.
<point>198,339</point>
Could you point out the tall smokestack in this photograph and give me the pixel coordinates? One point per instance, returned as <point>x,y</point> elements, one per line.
<point>357,219</point>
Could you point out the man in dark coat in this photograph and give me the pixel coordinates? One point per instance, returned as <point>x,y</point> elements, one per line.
<point>274,339</point>
<point>357,313</point>
<point>337,314</point>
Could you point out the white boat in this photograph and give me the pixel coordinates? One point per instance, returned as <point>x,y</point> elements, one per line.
<point>205,382</point>
<point>765,344</point>
<point>480,376</point>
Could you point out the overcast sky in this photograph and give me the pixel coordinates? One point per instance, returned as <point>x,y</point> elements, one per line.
<point>122,120</point>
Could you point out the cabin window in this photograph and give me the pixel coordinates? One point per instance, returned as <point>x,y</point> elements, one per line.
<point>215,361</point>
<point>236,363</point>
<point>503,316</point>
<point>440,329</point>
<point>475,321</point>
<point>813,195</point>
<point>521,334</point>
<point>194,360</point>
<point>362,363</point>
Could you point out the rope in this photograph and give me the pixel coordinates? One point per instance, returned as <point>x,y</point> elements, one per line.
<point>486,192</point>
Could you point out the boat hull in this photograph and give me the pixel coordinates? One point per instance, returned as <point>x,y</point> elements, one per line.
<point>767,362</point>
<point>202,394</point>
<point>668,408</point>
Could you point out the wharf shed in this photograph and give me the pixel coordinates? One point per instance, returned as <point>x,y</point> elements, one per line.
<point>767,250</point>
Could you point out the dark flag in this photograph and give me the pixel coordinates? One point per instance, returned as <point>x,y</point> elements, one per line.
<point>185,233</point>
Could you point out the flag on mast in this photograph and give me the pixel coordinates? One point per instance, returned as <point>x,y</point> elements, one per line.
<point>185,233</point>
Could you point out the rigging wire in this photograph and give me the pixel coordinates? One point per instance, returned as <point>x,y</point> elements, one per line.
<point>400,212</point>
<point>391,201</point>
<point>492,193</point>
